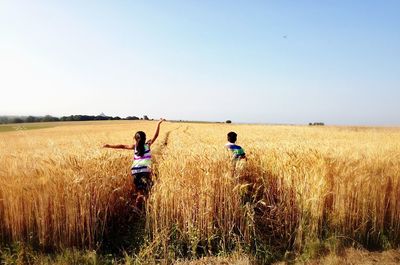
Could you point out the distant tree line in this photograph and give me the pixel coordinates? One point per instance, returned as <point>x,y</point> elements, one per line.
<point>49,118</point>
<point>316,124</point>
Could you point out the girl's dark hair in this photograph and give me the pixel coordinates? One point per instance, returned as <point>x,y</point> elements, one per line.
<point>140,138</point>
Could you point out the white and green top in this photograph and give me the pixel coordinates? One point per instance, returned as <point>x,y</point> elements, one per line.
<point>237,151</point>
<point>142,164</point>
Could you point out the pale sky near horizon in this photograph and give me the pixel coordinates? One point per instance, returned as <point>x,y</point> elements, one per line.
<point>249,61</point>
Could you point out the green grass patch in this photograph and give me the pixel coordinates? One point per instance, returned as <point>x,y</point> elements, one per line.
<point>23,127</point>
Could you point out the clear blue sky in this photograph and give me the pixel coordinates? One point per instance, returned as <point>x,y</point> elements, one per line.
<point>249,61</point>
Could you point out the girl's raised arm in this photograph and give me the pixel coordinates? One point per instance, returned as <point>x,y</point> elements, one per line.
<point>119,146</point>
<point>156,132</point>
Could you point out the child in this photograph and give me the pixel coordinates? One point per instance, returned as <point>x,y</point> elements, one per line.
<point>239,172</point>
<point>237,151</point>
<point>141,166</point>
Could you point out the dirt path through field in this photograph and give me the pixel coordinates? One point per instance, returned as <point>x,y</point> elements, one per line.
<point>160,151</point>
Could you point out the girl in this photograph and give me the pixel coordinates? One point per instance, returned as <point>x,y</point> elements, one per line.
<point>141,166</point>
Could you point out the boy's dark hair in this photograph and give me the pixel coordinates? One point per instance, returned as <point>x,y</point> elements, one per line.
<point>140,138</point>
<point>232,137</point>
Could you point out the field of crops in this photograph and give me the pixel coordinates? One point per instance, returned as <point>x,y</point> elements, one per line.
<point>303,189</point>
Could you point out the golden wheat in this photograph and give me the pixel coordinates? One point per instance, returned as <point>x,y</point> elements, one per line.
<point>58,187</point>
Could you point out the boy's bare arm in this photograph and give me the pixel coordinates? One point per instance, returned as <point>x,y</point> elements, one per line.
<point>119,146</point>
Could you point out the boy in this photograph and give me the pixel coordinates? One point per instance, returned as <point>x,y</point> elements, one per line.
<point>237,151</point>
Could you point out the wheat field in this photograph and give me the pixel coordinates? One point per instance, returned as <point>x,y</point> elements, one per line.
<point>301,186</point>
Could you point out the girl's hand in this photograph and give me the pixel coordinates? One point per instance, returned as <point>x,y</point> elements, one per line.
<point>161,120</point>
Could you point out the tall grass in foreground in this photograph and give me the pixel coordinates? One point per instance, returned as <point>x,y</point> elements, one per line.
<point>300,186</point>
<point>59,188</point>
<point>293,192</point>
